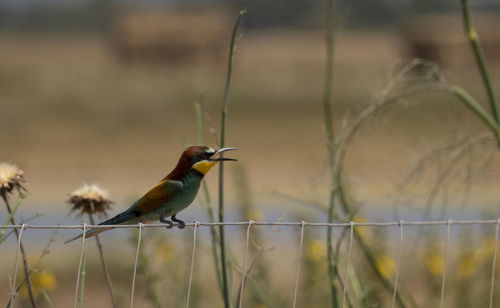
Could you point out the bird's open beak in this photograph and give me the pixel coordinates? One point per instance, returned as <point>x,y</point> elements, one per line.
<point>220,151</point>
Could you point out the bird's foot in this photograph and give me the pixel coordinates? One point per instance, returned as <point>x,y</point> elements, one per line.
<point>181,223</point>
<point>166,221</point>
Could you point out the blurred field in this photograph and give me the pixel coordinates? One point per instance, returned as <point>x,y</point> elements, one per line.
<point>71,112</point>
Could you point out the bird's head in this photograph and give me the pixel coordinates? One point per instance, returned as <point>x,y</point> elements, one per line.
<point>199,158</point>
<point>203,158</point>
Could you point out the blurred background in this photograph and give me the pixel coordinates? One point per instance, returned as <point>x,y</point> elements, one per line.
<point>101,91</point>
<point>104,91</point>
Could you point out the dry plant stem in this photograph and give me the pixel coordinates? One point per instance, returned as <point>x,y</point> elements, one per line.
<point>104,265</point>
<point>260,293</point>
<point>384,102</point>
<point>27,271</point>
<point>471,33</point>
<point>45,252</point>
<point>464,97</point>
<point>328,122</point>
<point>222,242</point>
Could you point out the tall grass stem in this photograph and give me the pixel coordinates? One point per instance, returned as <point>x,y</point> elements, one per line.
<point>473,37</point>
<point>224,265</point>
<point>330,142</point>
<point>83,274</point>
<point>214,238</point>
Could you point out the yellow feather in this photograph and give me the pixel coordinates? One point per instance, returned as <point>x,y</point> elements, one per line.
<point>204,166</point>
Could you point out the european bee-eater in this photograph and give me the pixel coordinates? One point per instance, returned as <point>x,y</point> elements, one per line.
<point>172,194</point>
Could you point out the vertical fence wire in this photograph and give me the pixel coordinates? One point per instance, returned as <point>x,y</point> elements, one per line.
<point>398,264</point>
<point>346,275</point>
<point>195,231</point>
<point>75,299</point>
<point>13,288</point>
<point>135,265</point>
<point>243,269</point>
<point>448,223</point>
<point>495,249</point>
<point>299,261</point>
<point>445,261</point>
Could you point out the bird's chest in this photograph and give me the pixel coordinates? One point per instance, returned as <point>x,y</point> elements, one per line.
<point>186,197</point>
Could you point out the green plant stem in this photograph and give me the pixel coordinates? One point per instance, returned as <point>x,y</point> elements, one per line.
<point>9,218</point>
<point>199,121</point>
<point>328,122</point>
<point>46,298</point>
<point>214,238</point>
<point>83,274</point>
<point>23,254</point>
<point>370,257</point>
<point>104,265</point>
<point>475,107</point>
<point>471,33</point>
<point>222,243</point>
<point>23,221</point>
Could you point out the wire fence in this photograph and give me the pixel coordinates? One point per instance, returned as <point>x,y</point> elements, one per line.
<point>300,224</point>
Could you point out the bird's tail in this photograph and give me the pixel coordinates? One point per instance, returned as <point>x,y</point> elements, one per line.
<point>118,219</point>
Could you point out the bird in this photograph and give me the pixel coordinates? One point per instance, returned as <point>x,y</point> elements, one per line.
<point>172,194</point>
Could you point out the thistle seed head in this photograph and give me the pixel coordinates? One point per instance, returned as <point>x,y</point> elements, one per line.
<point>11,178</point>
<point>90,199</point>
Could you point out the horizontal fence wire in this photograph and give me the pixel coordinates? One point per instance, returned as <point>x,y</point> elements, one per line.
<point>302,224</point>
<point>271,223</point>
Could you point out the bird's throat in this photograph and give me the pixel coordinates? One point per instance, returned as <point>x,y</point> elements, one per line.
<point>204,166</point>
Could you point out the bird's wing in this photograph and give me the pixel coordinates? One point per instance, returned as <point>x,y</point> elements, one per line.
<point>154,198</point>
<point>158,195</point>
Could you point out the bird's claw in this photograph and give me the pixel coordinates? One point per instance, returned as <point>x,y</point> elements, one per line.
<point>181,224</point>
<point>170,224</point>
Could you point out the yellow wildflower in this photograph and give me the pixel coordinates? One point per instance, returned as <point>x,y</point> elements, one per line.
<point>386,266</point>
<point>364,232</point>
<point>40,280</point>
<point>467,265</point>
<point>164,252</point>
<point>316,250</point>
<point>359,219</point>
<point>435,263</point>
<point>485,252</point>
<point>254,214</point>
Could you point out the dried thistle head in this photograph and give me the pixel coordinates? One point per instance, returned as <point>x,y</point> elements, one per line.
<point>11,178</point>
<point>90,199</point>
